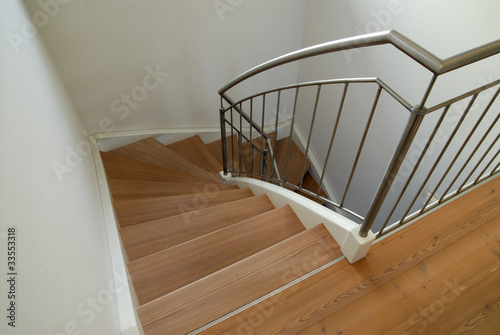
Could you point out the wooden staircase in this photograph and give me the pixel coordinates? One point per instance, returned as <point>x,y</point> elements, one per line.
<point>198,249</point>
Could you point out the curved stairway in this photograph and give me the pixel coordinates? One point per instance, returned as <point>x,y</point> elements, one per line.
<point>198,249</point>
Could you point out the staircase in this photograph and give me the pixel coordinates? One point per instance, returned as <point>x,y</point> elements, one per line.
<point>206,257</point>
<point>198,249</point>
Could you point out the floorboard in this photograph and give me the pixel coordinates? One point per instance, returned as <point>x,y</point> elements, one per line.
<point>406,282</point>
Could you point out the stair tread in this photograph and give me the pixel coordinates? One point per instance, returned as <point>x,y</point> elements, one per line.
<point>294,173</point>
<point>135,211</point>
<point>232,152</point>
<point>171,269</point>
<point>120,167</point>
<point>150,151</point>
<point>230,288</point>
<point>193,150</point>
<point>136,189</point>
<point>147,238</point>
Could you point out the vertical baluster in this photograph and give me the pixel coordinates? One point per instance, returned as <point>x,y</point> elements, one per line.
<point>479,162</point>
<point>232,140</point>
<point>262,143</point>
<point>415,168</point>
<point>223,138</point>
<point>240,141</point>
<point>474,151</point>
<point>311,129</point>
<point>273,153</point>
<point>334,133</point>
<point>291,134</point>
<point>361,144</point>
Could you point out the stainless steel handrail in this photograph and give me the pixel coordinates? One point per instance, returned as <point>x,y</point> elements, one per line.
<point>424,57</point>
<point>378,81</point>
<point>418,111</point>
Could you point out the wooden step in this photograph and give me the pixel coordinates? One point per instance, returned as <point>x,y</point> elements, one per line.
<point>233,156</point>
<point>310,184</point>
<point>152,152</point>
<point>119,167</point>
<point>137,189</point>
<point>226,290</point>
<point>145,239</point>
<point>252,157</point>
<point>171,269</point>
<point>336,288</point>
<point>193,150</point>
<point>135,211</point>
<point>288,151</point>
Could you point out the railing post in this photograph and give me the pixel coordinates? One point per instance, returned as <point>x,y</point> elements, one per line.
<point>264,164</point>
<point>223,139</point>
<point>414,122</point>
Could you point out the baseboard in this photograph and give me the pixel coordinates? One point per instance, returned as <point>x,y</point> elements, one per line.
<point>125,297</point>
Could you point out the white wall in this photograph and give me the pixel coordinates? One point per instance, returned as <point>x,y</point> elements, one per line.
<point>103,50</point>
<point>443,27</point>
<point>62,261</point>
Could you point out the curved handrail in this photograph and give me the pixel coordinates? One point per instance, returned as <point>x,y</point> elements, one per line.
<point>375,80</point>
<point>424,57</point>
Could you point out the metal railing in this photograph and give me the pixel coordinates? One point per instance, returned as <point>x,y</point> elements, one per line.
<point>456,155</point>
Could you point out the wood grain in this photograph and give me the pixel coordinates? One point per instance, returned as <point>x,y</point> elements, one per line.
<point>147,238</point>
<point>171,269</point>
<point>431,296</point>
<point>137,189</point>
<point>337,287</point>
<point>205,300</point>
<point>135,211</point>
<point>119,167</point>
<point>152,152</point>
<point>232,151</point>
<point>193,150</point>
<point>484,321</point>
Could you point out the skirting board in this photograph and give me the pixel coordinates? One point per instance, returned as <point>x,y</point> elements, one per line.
<point>125,298</point>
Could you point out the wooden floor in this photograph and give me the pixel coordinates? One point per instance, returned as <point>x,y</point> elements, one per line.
<point>440,275</point>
